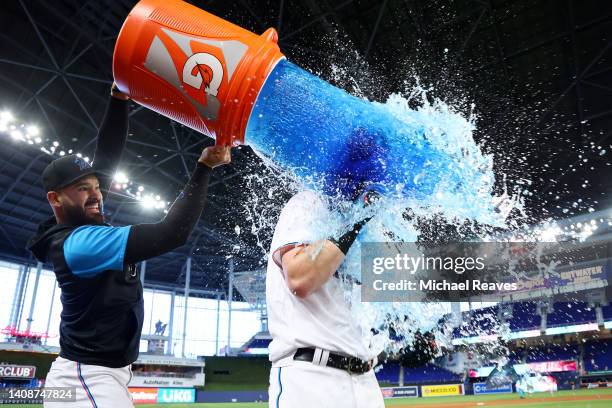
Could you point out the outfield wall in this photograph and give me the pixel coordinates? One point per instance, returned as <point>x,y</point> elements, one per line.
<point>232,396</point>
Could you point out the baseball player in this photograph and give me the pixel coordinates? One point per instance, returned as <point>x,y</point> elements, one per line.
<point>95,263</point>
<point>319,355</point>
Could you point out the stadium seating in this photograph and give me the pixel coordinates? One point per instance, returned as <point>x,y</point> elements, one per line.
<point>598,355</point>
<point>517,356</point>
<point>430,373</point>
<point>524,317</point>
<point>552,352</point>
<point>388,372</point>
<point>258,343</point>
<point>427,374</point>
<point>570,313</point>
<point>607,312</point>
<point>478,322</point>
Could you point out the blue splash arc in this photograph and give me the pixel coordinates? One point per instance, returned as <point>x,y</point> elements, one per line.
<point>319,131</point>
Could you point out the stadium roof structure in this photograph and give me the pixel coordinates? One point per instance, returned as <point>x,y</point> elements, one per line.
<point>539,73</point>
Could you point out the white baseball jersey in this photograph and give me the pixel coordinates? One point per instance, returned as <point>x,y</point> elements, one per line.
<point>322,319</point>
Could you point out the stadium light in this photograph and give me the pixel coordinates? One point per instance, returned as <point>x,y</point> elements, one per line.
<point>148,202</point>
<point>17,135</point>
<point>6,116</point>
<point>32,134</point>
<point>121,178</point>
<point>32,130</point>
<point>550,233</point>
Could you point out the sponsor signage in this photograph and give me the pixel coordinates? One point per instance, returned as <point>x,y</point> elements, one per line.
<point>481,372</point>
<point>576,328</point>
<point>400,392</point>
<point>441,390</point>
<point>157,360</point>
<point>524,334</point>
<point>166,382</point>
<point>174,395</point>
<point>542,367</point>
<point>487,338</point>
<point>517,335</point>
<point>143,395</point>
<point>483,388</point>
<point>546,367</point>
<point>17,371</point>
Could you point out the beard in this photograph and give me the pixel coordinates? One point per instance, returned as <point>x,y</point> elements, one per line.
<point>76,215</point>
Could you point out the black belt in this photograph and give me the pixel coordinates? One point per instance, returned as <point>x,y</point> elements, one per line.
<point>353,365</point>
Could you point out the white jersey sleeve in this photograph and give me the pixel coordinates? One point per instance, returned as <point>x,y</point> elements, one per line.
<point>304,219</point>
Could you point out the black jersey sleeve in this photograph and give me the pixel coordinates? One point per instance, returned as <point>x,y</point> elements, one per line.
<point>111,142</point>
<point>149,240</point>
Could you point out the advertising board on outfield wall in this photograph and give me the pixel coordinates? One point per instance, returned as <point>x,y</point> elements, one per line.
<point>142,395</point>
<point>17,371</point>
<point>166,382</point>
<point>441,390</point>
<point>400,392</point>
<point>176,395</point>
<point>483,388</point>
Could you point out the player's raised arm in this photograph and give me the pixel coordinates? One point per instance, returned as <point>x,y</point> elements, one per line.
<point>111,138</point>
<point>149,240</point>
<point>306,268</point>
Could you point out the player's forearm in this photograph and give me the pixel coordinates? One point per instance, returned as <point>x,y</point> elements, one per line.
<point>149,240</point>
<point>312,266</point>
<point>187,208</point>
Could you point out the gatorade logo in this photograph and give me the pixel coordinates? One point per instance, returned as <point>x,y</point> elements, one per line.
<point>199,68</point>
<point>203,68</point>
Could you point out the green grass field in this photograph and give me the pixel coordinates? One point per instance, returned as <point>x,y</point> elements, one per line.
<point>599,398</point>
<point>511,399</point>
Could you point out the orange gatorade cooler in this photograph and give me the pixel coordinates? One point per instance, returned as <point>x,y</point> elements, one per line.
<point>237,87</point>
<point>193,67</point>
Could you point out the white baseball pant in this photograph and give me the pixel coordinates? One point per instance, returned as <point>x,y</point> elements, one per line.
<point>96,386</point>
<point>305,385</point>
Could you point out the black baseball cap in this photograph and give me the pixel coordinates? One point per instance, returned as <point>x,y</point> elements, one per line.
<point>64,171</point>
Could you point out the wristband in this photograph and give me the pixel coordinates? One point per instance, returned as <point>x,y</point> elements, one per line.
<point>345,241</point>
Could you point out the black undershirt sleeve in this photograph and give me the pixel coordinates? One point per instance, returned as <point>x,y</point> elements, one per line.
<point>149,240</point>
<point>111,141</point>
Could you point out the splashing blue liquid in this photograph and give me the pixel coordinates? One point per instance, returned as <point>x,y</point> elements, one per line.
<point>321,132</point>
<point>424,159</point>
